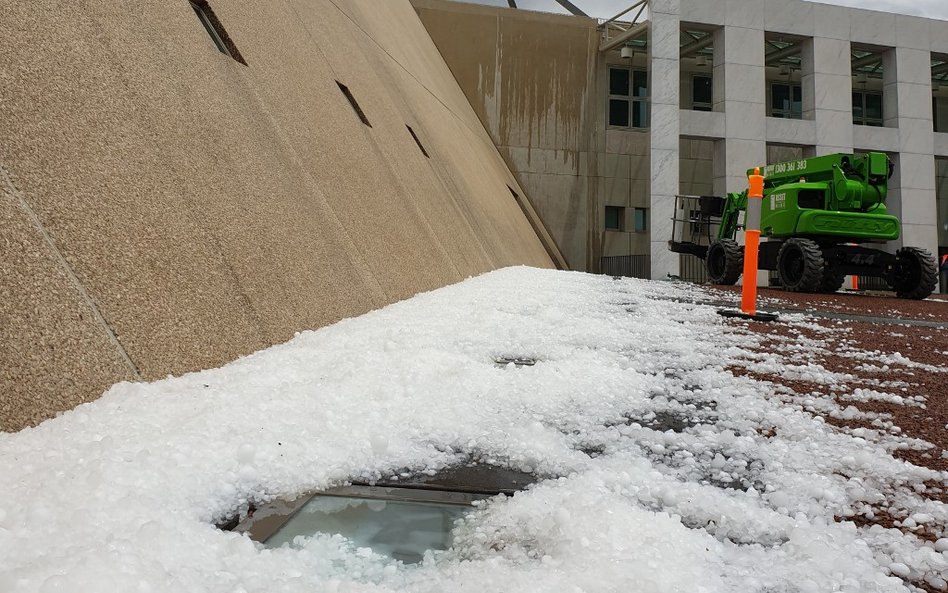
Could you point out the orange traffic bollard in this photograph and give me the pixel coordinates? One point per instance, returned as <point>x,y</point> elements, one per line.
<point>755,196</point>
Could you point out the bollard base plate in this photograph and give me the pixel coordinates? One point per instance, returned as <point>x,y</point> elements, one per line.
<point>758,316</point>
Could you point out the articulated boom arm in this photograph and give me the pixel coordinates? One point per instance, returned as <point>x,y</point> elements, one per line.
<point>854,183</point>
<point>735,204</point>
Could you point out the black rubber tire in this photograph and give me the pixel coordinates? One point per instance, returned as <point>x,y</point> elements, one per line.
<point>724,261</point>
<point>832,281</point>
<point>915,275</point>
<point>800,265</point>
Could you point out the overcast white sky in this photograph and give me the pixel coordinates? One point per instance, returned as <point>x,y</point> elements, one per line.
<point>608,8</point>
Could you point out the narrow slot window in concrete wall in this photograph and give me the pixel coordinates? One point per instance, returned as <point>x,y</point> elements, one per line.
<point>417,141</point>
<point>215,30</point>
<point>355,104</point>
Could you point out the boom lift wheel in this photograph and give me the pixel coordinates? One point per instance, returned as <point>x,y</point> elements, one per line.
<point>800,265</point>
<point>832,280</point>
<point>915,275</point>
<point>724,261</point>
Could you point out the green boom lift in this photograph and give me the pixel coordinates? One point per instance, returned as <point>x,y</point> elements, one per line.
<point>817,215</point>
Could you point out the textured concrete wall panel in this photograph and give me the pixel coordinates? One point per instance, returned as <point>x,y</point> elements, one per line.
<point>528,76</point>
<point>209,208</point>
<point>543,82</point>
<point>46,323</point>
<point>472,61</point>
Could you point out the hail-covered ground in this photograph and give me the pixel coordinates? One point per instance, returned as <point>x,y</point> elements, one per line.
<point>660,469</point>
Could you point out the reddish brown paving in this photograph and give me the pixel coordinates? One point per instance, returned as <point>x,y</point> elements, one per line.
<point>873,341</point>
<point>919,344</point>
<point>934,308</point>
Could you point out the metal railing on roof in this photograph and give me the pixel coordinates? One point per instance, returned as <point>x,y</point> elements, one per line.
<point>626,30</point>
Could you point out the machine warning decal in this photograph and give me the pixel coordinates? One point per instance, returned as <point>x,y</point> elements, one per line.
<point>777,201</point>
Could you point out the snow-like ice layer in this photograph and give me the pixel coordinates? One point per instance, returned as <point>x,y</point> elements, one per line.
<point>665,471</point>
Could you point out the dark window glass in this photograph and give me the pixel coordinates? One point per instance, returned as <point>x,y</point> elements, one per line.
<point>215,30</point>
<point>785,101</point>
<point>619,112</point>
<point>780,97</point>
<point>641,220</point>
<point>701,93</point>
<point>418,142</point>
<point>935,114</point>
<point>873,106</point>
<point>624,112</point>
<point>355,104</point>
<point>614,218</point>
<point>640,114</point>
<point>618,81</point>
<point>640,83</point>
<point>867,109</point>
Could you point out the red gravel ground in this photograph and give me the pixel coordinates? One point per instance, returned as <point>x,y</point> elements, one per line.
<point>875,304</point>
<point>925,345</point>
<point>861,348</point>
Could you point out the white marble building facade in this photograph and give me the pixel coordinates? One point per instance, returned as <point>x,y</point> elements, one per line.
<point>741,129</point>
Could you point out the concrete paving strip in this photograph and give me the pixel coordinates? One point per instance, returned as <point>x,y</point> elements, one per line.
<point>866,318</point>
<point>825,314</point>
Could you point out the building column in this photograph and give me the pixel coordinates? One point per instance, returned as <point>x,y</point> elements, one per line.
<point>740,79</point>
<point>912,190</point>
<point>664,77</point>
<point>827,86</point>
<point>739,66</point>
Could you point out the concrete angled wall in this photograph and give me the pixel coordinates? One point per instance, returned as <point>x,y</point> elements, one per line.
<point>164,208</point>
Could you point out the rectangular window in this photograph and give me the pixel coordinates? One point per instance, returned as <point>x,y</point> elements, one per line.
<point>939,111</point>
<point>619,81</point>
<point>215,30</point>
<point>640,104</point>
<point>935,125</point>
<point>614,216</point>
<point>873,107</point>
<point>701,93</point>
<point>786,100</point>
<point>619,112</point>
<point>867,108</point>
<point>628,98</point>
<point>641,220</point>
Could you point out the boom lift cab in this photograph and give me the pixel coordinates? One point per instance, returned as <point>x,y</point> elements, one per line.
<point>817,214</point>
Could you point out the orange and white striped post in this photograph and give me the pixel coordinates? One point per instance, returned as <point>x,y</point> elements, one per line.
<point>755,198</point>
